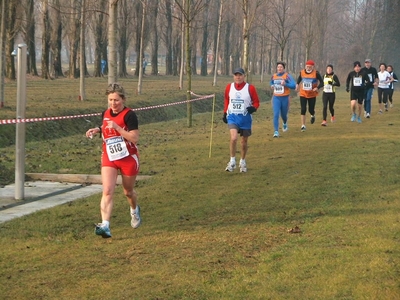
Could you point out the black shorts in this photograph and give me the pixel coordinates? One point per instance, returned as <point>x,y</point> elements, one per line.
<point>357,95</point>
<point>242,132</point>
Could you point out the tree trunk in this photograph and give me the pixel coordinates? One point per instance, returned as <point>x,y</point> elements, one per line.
<point>176,62</point>
<point>57,54</point>
<point>124,20</point>
<point>182,52</point>
<point>11,14</point>
<point>154,44</point>
<point>45,41</point>
<point>82,60</point>
<point>204,43</point>
<point>138,29</point>
<point>2,56</point>
<point>168,38</point>
<point>73,37</point>
<point>226,68</point>
<point>31,32</point>
<point>188,66</point>
<point>112,40</point>
<point>245,56</point>
<point>100,40</point>
<point>56,38</point>
<point>216,43</point>
<point>141,51</point>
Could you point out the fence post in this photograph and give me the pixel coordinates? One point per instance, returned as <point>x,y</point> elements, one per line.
<point>20,126</point>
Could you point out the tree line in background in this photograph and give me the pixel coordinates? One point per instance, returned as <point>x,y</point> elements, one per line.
<point>214,34</point>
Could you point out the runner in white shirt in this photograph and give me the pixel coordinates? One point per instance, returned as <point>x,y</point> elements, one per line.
<point>383,87</point>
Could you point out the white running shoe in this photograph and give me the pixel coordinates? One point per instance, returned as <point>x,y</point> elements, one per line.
<point>243,167</point>
<point>135,215</point>
<point>230,167</point>
<point>285,127</point>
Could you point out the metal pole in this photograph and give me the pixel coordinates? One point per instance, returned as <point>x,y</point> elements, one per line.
<point>20,132</point>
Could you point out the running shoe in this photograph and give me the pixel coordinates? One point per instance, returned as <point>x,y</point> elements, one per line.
<point>135,215</point>
<point>333,119</point>
<point>386,107</point>
<point>380,111</point>
<point>359,119</point>
<point>312,120</point>
<point>391,105</point>
<point>285,127</point>
<point>102,230</point>
<point>276,134</point>
<point>230,167</point>
<point>368,116</point>
<point>353,117</point>
<point>303,128</point>
<point>323,123</point>
<point>243,167</point>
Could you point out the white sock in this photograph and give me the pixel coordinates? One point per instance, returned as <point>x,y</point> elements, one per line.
<point>134,211</point>
<point>233,160</point>
<point>105,223</point>
<point>242,161</point>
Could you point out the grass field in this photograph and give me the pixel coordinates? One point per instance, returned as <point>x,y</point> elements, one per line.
<point>210,234</point>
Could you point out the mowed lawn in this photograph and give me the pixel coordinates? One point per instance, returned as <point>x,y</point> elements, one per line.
<point>211,234</point>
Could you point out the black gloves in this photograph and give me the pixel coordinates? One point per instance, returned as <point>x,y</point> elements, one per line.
<point>224,119</point>
<point>251,109</point>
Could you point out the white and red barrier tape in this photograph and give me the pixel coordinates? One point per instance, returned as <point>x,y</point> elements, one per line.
<point>30,120</point>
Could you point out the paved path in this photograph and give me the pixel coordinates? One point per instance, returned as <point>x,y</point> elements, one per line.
<point>41,195</point>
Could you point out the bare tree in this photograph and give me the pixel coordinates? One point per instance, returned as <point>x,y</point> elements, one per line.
<point>73,37</point>
<point>100,37</point>
<point>45,40</point>
<point>29,32</point>
<point>141,31</point>
<point>56,37</point>
<point>11,30</point>
<point>2,56</point>
<point>141,51</point>
<point>189,13</point>
<point>112,41</point>
<point>250,9</point>
<point>182,52</point>
<point>153,9</point>
<point>82,56</point>
<point>280,23</point>
<point>205,44</point>
<point>125,35</point>
<point>167,34</point>
<point>293,31</point>
<point>216,43</point>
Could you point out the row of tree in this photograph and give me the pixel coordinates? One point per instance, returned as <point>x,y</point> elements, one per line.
<point>225,34</point>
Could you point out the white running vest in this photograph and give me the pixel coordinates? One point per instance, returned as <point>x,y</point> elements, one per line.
<point>239,100</point>
<point>384,79</point>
